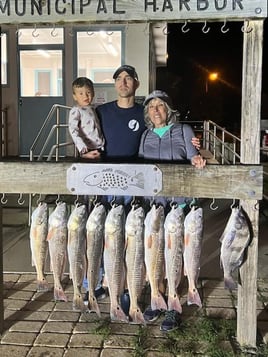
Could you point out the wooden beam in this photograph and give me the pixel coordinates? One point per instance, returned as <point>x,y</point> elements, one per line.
<point>250,153</point>
<point>61,11</point>
<point>214,181</point>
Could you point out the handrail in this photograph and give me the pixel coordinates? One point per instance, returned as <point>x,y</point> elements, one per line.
<point>55,128</point>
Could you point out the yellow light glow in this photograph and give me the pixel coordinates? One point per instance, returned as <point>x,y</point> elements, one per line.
<point>213,76</point>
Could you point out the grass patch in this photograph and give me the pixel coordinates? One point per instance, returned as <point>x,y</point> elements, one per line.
<point>140,342</point>
<point>104,329</point>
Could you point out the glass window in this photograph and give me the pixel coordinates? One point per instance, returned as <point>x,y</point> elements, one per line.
<point>3,58</point>
<point>99,53</point>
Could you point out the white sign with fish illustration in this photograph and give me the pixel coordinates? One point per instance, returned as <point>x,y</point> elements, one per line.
<point>114,179</point>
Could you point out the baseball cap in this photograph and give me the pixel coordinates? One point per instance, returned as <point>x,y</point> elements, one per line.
<point>129,69</point>
<point>160,95</point>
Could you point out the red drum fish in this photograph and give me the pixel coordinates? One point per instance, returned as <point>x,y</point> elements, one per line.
<point>135,265</point>
<point>114,250</point>
<point>38,243</point>
<point>234,241</point>
<point>95,241</point>
<point>174,232</point>
<point>154,254</point>
<point>193,234</point>
<point>77,252</point>
<point>57,242</point>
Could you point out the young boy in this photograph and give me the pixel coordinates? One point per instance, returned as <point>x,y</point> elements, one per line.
<point>84,124</point>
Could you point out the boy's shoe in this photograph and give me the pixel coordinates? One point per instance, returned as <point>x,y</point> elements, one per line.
<point>99,294</point>
<point>151,315</point>
<point>171,322</point>
<point>125,302</point>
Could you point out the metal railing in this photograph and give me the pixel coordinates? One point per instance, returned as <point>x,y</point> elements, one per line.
<point>224,145</point>
<point>56,123</point>
<point>3,133</point>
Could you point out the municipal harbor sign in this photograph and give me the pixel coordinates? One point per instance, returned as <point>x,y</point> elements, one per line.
<point>61,11</point>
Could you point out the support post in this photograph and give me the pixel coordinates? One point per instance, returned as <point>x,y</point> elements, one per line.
<point>250,153</point>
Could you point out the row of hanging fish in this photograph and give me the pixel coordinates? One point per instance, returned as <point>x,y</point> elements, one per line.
<point>135,249</point>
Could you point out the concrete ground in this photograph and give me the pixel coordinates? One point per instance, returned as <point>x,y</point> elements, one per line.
<point>36,325</point>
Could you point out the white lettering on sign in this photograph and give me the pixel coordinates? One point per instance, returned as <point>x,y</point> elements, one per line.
<point>51,11</point>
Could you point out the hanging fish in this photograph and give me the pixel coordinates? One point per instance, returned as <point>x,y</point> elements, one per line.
<point>95,240</point>
<point>174,231</point>
<point>57,242</point>
<point>234,241</point>
<point>38,243</point>
<point>135,265</point>
<point>193,234</point>
<point>77,252</point>
<point>114,250</point>
<point>154,244</point>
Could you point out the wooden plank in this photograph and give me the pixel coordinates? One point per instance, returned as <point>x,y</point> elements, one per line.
<point>214,181</point>
<point>250,140</point>
<point>62,11</point>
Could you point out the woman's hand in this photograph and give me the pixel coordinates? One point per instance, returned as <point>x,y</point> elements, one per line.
<point>198,161</point>
<point>92,155</point>
<point>196,143</point>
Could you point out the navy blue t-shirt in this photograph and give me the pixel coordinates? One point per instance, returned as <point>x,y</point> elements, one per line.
<point>122,129</point>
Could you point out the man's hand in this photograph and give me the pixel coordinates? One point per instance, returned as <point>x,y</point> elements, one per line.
<point>198,161</point>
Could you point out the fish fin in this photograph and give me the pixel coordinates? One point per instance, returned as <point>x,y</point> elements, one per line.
<point>59,295</point>
<point>117,314</point>
<point>174,303</point>
<point>158,302</point>
<point>93,305</point>
<point>140,180</point>
<point>149,242</point>
<point>78,303</point>
<point>136,316</point>
<point>169,242</point>
<point>186,239</point>
<point>42,285</point>
<point>50,233</point>
<point>229,283</point>
<point>193,298</point>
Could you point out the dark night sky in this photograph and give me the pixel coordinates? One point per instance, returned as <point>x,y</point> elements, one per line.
<point>191,56</point>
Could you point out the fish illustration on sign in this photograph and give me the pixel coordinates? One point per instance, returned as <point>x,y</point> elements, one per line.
<point>110,178</point>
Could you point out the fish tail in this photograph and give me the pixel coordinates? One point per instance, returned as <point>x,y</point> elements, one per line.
<point>93,305</point>
<point>174,303</point>
<point>136,316</point>
<point>117,314</point>
<point>42,285</point>
<point>78,303</point>
<point>140,180</point>
<point>193,298</point>
<point>59,294</point>
<point>158,302</point>
<point>229,283</point>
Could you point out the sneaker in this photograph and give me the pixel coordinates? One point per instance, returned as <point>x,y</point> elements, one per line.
<point>99,294</point>
<point>151,315</point>
<point>171,322</point>
<point>125,302</point>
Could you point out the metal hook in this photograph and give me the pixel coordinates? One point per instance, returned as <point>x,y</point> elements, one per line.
<point>132,204</point>
<point>76,200</point>
<point>224,29</point>
<point>39,198</point>
<point>165,31</point>
<point>95,200</point>
<point>211,205</point>
<point>20,200</point>
<point>57,200</point>
<point>204,29</point>
<point>71,33</point>
<point>34,34</point>
<point>3,200</point>
<point>183,28</point>
<point>90,33</point>
<point>256,206</point>
<point>54,33</point>
<point>18,32</point>
<point>112,203</point>
<point>109,33</point>
<point>233,204</point>
<point>246,28</point>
